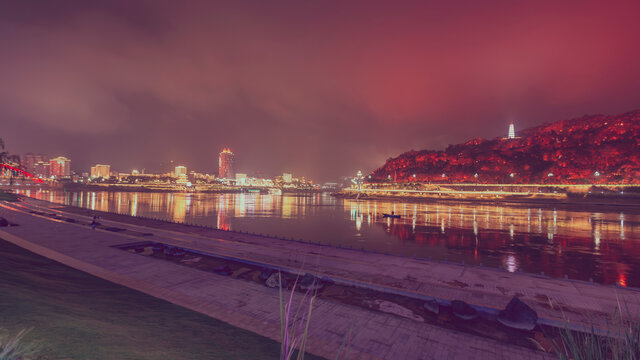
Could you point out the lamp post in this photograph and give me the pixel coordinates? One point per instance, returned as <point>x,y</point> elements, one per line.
<point>358,179</point>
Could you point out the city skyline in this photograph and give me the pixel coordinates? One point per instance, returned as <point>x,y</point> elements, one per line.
<point>595,127</point>
<point>317,90</point>
<point>30,162</point>
<point>39,165</point>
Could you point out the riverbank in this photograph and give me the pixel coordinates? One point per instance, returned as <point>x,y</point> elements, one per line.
<point>201,189</point>
<point>368,267</point>
<point>567,200</point>
<point>386,332</point>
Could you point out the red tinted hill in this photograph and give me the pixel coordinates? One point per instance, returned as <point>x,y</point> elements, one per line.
<point>591,149</point>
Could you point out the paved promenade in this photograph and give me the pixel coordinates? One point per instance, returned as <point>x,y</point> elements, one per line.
<point>254,307</point>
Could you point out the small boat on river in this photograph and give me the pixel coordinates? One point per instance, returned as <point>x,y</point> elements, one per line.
<point>392,215</point>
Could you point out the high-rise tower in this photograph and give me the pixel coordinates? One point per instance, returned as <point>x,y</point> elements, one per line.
<point>512,132</point>
<point>60,167</point>
<point>180,170</point>
<point>225,165</point>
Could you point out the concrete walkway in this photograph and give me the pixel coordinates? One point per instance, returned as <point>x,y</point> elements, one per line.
<point>256,308</point>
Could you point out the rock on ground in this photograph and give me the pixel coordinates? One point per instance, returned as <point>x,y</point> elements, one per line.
<point>518,315</point>
<point>463,311</point>
<point>393,308</point>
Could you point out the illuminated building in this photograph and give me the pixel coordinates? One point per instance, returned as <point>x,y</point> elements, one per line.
<point>512,132</point>
<point>60,167</point>
<point>288,178</point>
<point>241,179</point>
<point>225,164</point>
<point>29,160</point>
<point>201,178</point>
<point>41,169</point>
<point>180,170</point>
<point>101,171</point>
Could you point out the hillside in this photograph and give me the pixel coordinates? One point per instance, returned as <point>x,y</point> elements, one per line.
<point>591,149</point>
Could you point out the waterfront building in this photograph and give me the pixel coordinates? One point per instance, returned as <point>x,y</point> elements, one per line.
<point>196,177</point>
<point>180,171</point>
<point>330,186</point>
<point>225,164</point>
<point>29,160</point>
<point>101,171</point>
<point>60,167</point>
<point>287,178</point>
<point>241,179</point>
<point>183,180</point>
<point>41,169</point>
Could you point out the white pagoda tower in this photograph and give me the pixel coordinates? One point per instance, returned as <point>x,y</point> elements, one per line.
<point>512,132</point>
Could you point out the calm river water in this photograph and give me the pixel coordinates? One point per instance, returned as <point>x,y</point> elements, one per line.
<point>604,246</point>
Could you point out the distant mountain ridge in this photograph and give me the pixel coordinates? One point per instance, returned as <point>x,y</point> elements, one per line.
<point>590,149</point>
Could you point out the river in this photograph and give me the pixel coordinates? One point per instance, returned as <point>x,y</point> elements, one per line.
<point>582,244</point>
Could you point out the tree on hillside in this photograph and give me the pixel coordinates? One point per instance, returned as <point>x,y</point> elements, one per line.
<point>5,157</point>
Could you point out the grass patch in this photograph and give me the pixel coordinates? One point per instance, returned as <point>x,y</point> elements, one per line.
<point>76,315</point>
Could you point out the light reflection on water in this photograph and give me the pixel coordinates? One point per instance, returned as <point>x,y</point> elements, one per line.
<point>599,245</point>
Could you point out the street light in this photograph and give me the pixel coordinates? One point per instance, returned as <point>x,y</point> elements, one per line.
<point>358,179</point>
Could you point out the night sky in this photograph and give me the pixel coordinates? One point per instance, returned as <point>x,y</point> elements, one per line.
<point>317,88</point>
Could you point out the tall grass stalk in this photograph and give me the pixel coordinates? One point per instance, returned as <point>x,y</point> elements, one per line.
<point>15,348</point>
<point>343,352</point>
<point>619,341</point>
<point>294,324</point>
